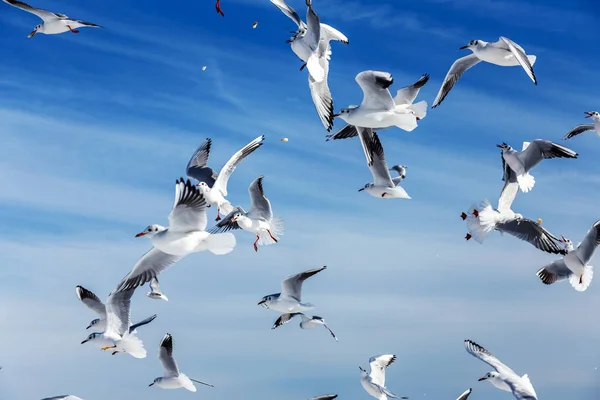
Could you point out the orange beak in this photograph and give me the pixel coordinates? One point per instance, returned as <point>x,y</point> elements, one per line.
<point>141,234</point>
<point>32,34</point>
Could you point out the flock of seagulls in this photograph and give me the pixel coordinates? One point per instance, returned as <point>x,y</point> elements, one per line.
<point>187,232</point>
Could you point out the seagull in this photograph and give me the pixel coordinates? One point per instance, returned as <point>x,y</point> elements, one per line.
<point>521,162</point>
<point>483,221</point>
<point>259,220</point>
<point>155,292</point>
<point>185,235</point>
<point>595,116</point>
<point>404,99</point>
<point>311,43</point>
<point>465,395</point>
<point>307,323</point>
<point>218,7</point>
<point>378,109</point>
<point>63,397</point>
<point>504,53</point>
<point>573,265</point>
<point>325,397</point>
<point>54,23</point>
<point>374,382</point>
<point>503,378</point>
<point>384,186</point>
<point>119,334</point>
<point>92,301</point>
<point>211,184</point>
<point>172,379</point>
<point>289,300</point>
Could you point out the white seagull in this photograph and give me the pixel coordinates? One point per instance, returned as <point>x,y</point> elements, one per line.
<point>483,221</point>
<point>384,186</point>
<point>521,162</point>
<point>573,266</point>
<point>63,397</point>
<point>504,53</point>
<point>289,300</point>
<point>374,382</point>
<point>307,323</point>
<point>155,292</point>
<point>211,184</point>
<point>379,110</point>
<point>185,235</point>
<point>119,334</point>
<point>54,23</point>
<point>595,126</point>
<point>503,378</point>
<point>91,301</point>
<point>404,98</point>
<point>259,220</point>
<point>311,43</point>
<point>172,379</point>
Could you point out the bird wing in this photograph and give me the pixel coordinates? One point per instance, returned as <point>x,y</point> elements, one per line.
<point>587,247</point>
<point>532,232</point>
<point>148,266</point>
<point>465,395</point>
<point>226,224</point>
<point>196,167</point>
<point>554,272</point>
<point>375,157</point>
<point>290,12</point>
<point>520,56</point>
<point>165,355</point>
<point>484,355</point>
<point>376,94</point>
<point>378,366</point>
<point>284,319</point>
<point>313,31</point>
<point>260,206</point>
<point>292,285</point>
<point>325,397</point>
<point>578,129</point>
<point>189,209</point>
<point>319,91</point>
<point>43,14</point>
<point>91,301</point>
<point>510,188</point>
<point>330,331</point>
<point>456,71</point>
<point>230,166</point>
<point>117,313</point>
<point>346,132</point>
<point>408,94</point>
<point>540,149</point>
<point>142,323</point>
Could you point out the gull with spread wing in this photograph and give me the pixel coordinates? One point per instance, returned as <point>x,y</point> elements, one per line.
<point>595,126</point>
<point>379,110</point>
<point>574,265</point>
<point>185,235</point>
<point>503,377</point>
<point>307,323</point>
<point>290,298</point>
<point>63,397</point>
<point>521,162</point>
<point>119,334</point>
<point>54,23</point>
<point>374,382</point>
<point>172,379</point>
<point>259,220</point>
<point>212,185</point>
<point>311,43</point>
<point>91,301</point>
<point>155,292</point>
<point>404,99</point>
<point>504,53</point>
<point>383,186</point>
<point>484,220</point>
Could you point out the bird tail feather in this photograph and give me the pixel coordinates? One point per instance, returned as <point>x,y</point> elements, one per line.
<point>482,225</point>
<point>219,243</point>
<point>581,283</point>
<point>277,228</point>
<point>133,345</point>
<point>526,182</point>
<point>419,108</point>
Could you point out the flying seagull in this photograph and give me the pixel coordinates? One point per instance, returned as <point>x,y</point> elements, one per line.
<point>595,126</point>
<point>574,265</point>
<point>211,184</point>
<point>374,382</point>
<point>503,377</point>
<point>259,220</point>
<point>307,323</point>
<point>63,397</point>
<point>504,53</point>
<point>54,23</point>
<point>404,99</point>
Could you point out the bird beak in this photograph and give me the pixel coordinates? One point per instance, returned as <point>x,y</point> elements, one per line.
<point>499,146</point>
<point>361,189</point>
<point>481,379</point>
<point>32,34</point>
<point>336,115</point>
<point>151,384</point>
<point>464,47</point>
<point>85,341</point>
<point>589,114</point>
<point>140,234</point>
<point>563,238</point>
<point>261,302</point>
<point>89,326</point>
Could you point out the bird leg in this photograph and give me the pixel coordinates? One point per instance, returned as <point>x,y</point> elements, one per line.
<point>476,213</point>
<point>218,7</point>
<point>383,194</point>
<point>303,66</point>
<point>463,216</point>
<point>271,235</point>
<point>218,214</point>
<point>256,241</point>
<point>581,280</point>
<point>109,347</point>
<point>72,30</point>
<point>468,236</point>
<point>114,352</point>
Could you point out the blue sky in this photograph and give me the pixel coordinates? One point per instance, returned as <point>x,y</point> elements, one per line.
<point>96,127</point>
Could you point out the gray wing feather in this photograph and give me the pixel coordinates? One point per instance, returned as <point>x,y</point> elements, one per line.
<point>43,14</point>
<point>554,272</point>
<point>292,285</point>
<point>519,54</point>
<point>578,130</point>
<point>375,157</point>
<point>320,93</point>
<point>408,94</point>
<point>586,249</point>
<point>325,397</point>
<point>149,266</point>
<point>165,355</point>
<point>142,323</point>
<point>533,233</point>
<point>510,188</point>
<point>189,209</point>
<point>484,355</point>
<point>117,312</point>
<point>260,206</point>
<point>330,331</point>
<point>231,165</point>
<point>290,12</point>
<point>313,33</point>
<point>465,394</point>
<point>456,71</point>
<point>63,397</point>
<point>284,319</point>
<point>89,299</point>
<point>540,149</point>
<point>226,224</point>
<point>374,85</point>
<point>196,167</point>
<point>346,132</point>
